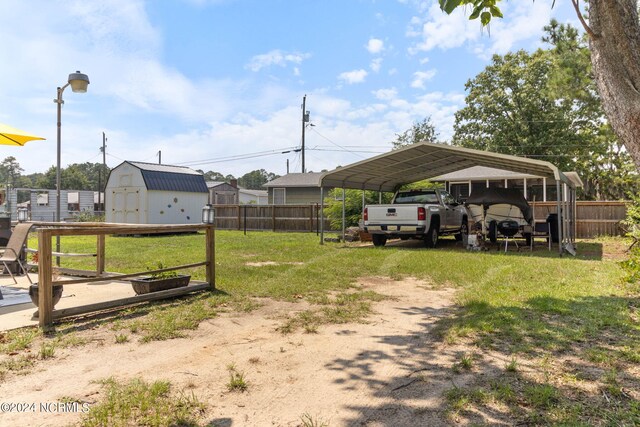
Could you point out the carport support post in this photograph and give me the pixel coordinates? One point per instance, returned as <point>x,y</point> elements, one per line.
<point>559,198</point>
<point>211,256</point>
<point>322,215</point>
<point>344,222</point>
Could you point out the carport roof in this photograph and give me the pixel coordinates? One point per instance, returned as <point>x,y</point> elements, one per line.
<point>387,172</point>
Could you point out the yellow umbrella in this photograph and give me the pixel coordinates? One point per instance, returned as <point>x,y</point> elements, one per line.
<point>13,136</point>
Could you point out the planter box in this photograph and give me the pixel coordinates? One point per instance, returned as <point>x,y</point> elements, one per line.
<point>144,285</point>
<point>34,294</point>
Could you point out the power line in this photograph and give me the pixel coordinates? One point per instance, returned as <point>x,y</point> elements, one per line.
<point>336,144</point>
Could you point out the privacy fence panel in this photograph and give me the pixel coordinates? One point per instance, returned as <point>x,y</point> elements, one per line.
<point>303,218</point>
<point>592,218</point>
<point>598,218</point>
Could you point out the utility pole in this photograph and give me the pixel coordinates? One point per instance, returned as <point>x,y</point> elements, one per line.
<point>287,166</point>
<point>305,120</point>
<point>160,157</point>
<point>104,164</point>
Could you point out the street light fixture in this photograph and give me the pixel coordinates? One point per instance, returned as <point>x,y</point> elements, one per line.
<point>78,83</point>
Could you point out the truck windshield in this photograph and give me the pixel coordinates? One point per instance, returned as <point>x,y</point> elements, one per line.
<point>419,197</point>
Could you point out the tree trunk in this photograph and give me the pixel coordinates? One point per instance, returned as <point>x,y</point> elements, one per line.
<point>615,54</point>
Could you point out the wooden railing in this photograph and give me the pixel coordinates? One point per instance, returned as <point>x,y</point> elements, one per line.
<point>46,231</point>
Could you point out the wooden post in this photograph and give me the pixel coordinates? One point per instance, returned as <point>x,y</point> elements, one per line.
<point>273,217</point>
<point>45,289</point>
<point>239,223</point>
<point>100,261</point>
<point>311,218</point>
<point>211,256</point>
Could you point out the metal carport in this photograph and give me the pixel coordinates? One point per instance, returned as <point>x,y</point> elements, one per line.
<point>387,172</point>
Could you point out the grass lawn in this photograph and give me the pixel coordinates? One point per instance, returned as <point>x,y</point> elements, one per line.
<point>536,308</point>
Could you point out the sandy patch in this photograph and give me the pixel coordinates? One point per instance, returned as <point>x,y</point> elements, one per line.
<point>390,371</point>
<point>268,263</point>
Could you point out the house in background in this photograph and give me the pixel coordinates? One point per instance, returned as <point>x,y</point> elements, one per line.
<point>462,183</point>
<point>253,197</point>
<point>149,193</point>
<point>222,193</point>
<point>295,189</point>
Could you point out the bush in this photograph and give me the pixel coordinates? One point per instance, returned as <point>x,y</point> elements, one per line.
<point>632,228</point>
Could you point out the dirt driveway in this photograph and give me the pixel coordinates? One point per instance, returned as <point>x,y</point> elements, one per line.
<point>390,371</point>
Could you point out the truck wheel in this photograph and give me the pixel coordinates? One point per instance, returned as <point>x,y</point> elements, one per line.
<point>378,239</point>
<point>464,230</point>
<point>431,238</point>
<point>493,231</point>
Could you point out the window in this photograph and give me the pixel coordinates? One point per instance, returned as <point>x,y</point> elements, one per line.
<point>496,183</point>
<point>420,197</point>
<point>478,185</point>
<point>459,190</point>
<point>535,189</point>
<point>279,196</point>
<point>447,198</point>
<point>552,191</point>
<point>517,183</point>
<point>42,199</point>
<point>73,201</point>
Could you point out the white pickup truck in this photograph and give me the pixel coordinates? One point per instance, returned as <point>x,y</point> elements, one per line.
<point>418,214</point>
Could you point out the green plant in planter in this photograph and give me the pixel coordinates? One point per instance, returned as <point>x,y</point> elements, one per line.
<point>163,274</point>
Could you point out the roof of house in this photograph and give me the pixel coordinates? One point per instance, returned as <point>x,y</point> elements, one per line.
<point>309,179</point>
<point>171,178</point>
<point>213,184</point>
<point>481,172</point>
<point>257,193</point>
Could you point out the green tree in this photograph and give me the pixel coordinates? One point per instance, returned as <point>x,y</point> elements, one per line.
<point>94,173</point>
<point>216,176</point>
<point>70,179</point>
<point>614,41</point>
<point>353,205</point>
<point>422,131</point>
<point>10,171</point>
<point>254,180</point>
<point>544,106</point>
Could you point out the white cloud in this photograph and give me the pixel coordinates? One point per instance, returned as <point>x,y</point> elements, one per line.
<point>385,94</point>
<point>375,46</point>
<point>437,30</point>
<point>275,57</point>
<point>352,77</point>
<point>375,65</point>
<point>421,77</point>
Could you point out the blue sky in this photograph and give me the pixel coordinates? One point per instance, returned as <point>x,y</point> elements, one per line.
<point>218,84</point>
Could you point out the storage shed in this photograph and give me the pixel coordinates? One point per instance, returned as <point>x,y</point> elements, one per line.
<point>149,193</point>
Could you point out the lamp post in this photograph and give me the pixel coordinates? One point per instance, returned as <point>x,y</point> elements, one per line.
<point>22,214</point>
<point>78,83</point>
<point>208,214</point>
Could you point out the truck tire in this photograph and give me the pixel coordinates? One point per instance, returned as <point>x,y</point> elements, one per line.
<point>378,239</point>
<point>464,230</point>
<point>431,238</point>
<point>493,231</point>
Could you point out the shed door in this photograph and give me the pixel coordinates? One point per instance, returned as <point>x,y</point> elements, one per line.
<point>126,205</point>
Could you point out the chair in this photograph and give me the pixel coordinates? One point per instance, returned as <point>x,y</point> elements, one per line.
<point>14,248</point>
<point>541,229</point>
